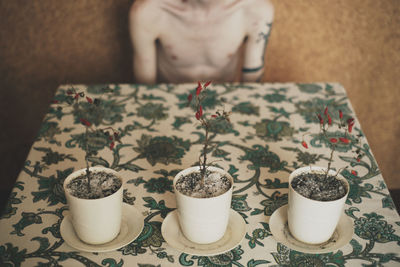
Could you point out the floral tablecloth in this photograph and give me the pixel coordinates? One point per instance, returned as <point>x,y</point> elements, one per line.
<point>160,137</point>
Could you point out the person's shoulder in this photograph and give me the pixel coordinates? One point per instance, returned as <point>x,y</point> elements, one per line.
<point>259,9</point>
<point>145,9</point>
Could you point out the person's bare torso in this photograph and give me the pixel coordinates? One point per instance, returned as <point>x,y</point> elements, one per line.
<point>199,44</point>
<point>189,40</point>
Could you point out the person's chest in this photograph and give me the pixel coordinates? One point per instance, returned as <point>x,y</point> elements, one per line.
<point>214,41</point>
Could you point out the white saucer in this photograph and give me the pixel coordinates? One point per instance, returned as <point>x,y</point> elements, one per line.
<point>131,227</point>
<point>280,231</point>
<point>234,234</point>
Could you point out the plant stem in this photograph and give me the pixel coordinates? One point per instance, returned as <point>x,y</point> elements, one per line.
<point>330,161</point>
<point>203,168</point>
<point>87,158</point>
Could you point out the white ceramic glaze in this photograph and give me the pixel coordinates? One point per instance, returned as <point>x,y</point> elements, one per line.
<point>311,221</point>
<point>203,220</point>
<point>131,227</point>
<point>280,231</point>
<point>95,221</point>
<point>234,234</point>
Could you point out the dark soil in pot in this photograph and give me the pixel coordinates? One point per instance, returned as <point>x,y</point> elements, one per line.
<point>318,187</point>
<point>102,184</point>
<point>215,184</point>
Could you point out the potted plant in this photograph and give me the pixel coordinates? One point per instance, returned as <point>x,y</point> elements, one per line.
<point>94,194</point>
<point>317,194</point>
<point>203,193</point>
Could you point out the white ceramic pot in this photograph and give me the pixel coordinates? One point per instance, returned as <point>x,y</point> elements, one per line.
<point>203,220</point>
<point>95,221</point>
<point>312,221</point>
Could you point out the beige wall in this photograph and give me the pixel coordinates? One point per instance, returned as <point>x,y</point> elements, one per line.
<point>356,43</point>
<point>46,43</point>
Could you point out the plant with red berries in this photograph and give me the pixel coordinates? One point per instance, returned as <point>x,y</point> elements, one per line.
<point>325,123</point>
<point>113,136</point>
<point>206,122</point>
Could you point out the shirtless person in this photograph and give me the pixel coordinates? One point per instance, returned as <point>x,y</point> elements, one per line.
<point>176,41</point>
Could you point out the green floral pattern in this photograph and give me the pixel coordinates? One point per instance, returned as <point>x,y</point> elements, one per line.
<point>160,137</point>
<point>162,149</point>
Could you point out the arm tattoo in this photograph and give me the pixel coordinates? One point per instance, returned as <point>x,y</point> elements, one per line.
<point>265,37</point>
<point>253,69</point>
<point>261,36</point>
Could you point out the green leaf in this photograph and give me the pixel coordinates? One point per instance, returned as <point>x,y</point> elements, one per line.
<point>387,202</point>
<point>219,153</point>
<point>63,256</point>
<point>136,181</point>
<point>244,123</point>
<point>266,226</point>
<point>98,161</point>
<point>152,97</point>
<point>41,195</point>
<point>275,184</point>
<point>112,262</point>
<point>68,130</point>
<point>329,89</point>
<point>131,167</point>
<point>304,129</point>
<point>44,244</point>
<point>179,121</point>
<point>152,204</point>
<point>357,248</point>
<point>233,171</point>
<point>279,111</point>
<point>386,257</point>
<point>253,262</point>
<point>256,211</point>
<point>309,88</point>
<point>42,149</point>
<point>19,185</point>
<point>43,264</point>
<point>290,149</point>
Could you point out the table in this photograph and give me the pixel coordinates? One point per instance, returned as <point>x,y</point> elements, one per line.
<point>159,137</point>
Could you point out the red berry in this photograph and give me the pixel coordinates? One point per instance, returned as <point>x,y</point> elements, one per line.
<point>344,140</point>
<point>329,120</point>
<point>354,172</point>
<point>350,127</point>
<point>350,124</point>
<point>304,144</point>
<point>199,88</point>
<point>340,114</point>
<point>112,145</point>
<point>89,100</point>
<point>321,120</point>
<point>85,122</point>
<point>333,140</point>
<point>198,115</point>
<point>350,121</point>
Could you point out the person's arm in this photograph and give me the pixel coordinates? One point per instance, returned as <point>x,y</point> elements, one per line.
<point>259,19</point>
<point>143,35</point>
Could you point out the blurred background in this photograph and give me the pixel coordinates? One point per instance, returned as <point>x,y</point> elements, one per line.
<point>47,43</point>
